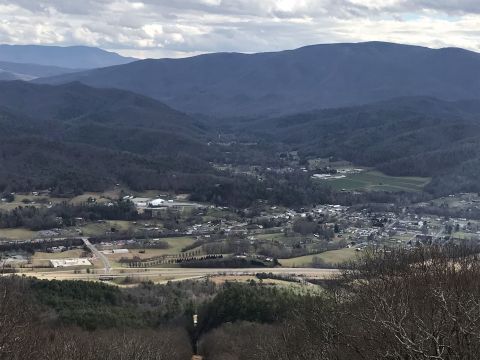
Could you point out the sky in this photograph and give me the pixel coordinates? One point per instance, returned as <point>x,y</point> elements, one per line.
<point>179,28</point>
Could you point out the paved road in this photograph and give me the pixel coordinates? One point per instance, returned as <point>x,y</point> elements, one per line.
<point>186,273</point>
<point>98,254</point>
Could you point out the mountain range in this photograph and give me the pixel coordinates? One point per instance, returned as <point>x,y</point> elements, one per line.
<point>18,71</point>
<point>287,82</point>
<point>69,57</point>
<point>406,110</point>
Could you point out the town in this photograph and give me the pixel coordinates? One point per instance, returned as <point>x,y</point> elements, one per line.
<point>167,231</point>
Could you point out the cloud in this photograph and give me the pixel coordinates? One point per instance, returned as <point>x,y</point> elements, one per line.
<point>159,28</point>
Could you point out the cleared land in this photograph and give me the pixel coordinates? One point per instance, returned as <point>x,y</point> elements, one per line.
<point>330,258</point>
<point>17,234</point>
<point>176,246</point>
<point>98,229</point>
<point>376,181</point>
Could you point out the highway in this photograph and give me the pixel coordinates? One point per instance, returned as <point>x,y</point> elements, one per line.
<point>99,255</point>
<point>184,273</point>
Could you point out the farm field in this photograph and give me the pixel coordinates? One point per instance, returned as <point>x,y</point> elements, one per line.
<point>176,246</point>
<point>328,257</point>
<point>97,229</point>
<point>373,180</point>
<point>17,234</point>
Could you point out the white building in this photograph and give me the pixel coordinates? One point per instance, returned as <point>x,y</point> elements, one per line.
<point>59,263</point>
<point>156,203</point>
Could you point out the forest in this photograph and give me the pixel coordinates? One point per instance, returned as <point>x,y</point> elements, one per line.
<point>395,304</point>
<point>65,214</point>
<point>73,138</point>
<point>412,136</point>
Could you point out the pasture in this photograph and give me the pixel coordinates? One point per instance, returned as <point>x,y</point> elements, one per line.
<point>330,258</point>
<point>373,180</point>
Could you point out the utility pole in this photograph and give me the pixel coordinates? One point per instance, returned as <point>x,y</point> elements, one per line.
<point>195,350</point>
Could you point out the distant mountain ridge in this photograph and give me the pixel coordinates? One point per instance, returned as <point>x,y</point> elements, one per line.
<point>27,72</point>
<point>70,57</point>
<point>286,82</point>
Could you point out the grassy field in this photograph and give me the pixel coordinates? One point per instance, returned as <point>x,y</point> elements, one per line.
<point>97,229</point>
<point>465,235</point>
<point>42,258</point>
<point>101,198</point>
<point>273,236</point>
<point>176,246</point>
<point>376,181</point>
<point>328,257</point>
<point>17,234</point>
<point>31,201</point>
<point>62,255</point>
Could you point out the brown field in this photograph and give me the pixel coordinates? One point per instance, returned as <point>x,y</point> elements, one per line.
<point>17,234</point>
<point>329,257</point>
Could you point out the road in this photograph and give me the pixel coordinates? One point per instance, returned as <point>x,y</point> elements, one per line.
<point>439,234</point>
<point>99,255</point>
<point>185,273</point>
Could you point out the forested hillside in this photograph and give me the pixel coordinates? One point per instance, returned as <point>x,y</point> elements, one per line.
<point>20,71</point>
<point>312,77</point>
<point>405,137</point>
<point>73,138</point>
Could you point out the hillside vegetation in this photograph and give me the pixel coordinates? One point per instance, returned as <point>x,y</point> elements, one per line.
<point>74,138</point>
<point>312,77</point>
<point>417,136</point>
<point>409,304</point>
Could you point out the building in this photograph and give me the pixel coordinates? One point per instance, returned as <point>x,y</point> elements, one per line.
<point>61,263</point>
<point>156,203</point>
<point>115,251</point>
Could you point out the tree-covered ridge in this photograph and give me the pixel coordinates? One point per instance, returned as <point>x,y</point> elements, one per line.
<point>288,82</point>
<point>74,138</point>
<point>402,137</point>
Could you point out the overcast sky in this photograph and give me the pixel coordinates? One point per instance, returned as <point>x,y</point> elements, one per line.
<point>176,28</point>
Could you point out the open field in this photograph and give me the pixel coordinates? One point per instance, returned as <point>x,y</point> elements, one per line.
<point>17,234</point>
<point>100,198</point>
<point>98,229</point>
<point>29,200</point>
<point>176,246</point>
<point>328,257</point>
<point>61,255</point>
<point>298,287</point>
<point>273,236</point>
<point>376,181</point>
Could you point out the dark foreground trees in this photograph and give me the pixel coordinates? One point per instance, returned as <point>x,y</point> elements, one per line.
<point>419,305</point>
<point>25,334</point>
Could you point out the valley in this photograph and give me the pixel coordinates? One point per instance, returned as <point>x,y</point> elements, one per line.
<point>316,203</point>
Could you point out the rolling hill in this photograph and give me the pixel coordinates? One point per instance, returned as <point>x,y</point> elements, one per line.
<point>79,104</point>
<point>73,138</point>
<point>414,136</point>
<point>287,82</point>
<point>70,57</point>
